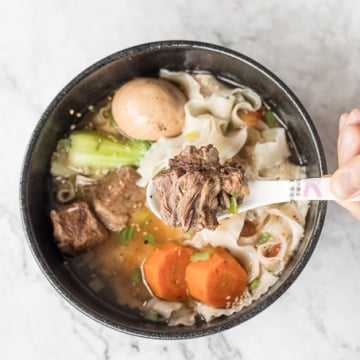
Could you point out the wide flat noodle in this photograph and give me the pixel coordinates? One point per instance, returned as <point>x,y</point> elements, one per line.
<point>266,280</point>
<point>175,312</point>
<point>275,263</point>
<point>207,121</point>
<point>272,151</point>
<point>190,86</point>
<point>295,221</point>
<point>209,313</point>
<point>283,171</point>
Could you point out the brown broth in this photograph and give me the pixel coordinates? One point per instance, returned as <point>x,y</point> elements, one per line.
<point>114,266</point>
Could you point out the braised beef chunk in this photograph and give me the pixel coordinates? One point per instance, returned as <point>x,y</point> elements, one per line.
<point>76,228</point>
<point>196,187</point>
<point>117,196</point>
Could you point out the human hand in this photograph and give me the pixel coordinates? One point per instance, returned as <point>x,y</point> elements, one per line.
<point>345,181</point>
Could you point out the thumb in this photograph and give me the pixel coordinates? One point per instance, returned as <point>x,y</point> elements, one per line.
<point>345,182</point>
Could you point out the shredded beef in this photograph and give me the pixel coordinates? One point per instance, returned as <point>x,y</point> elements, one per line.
<point>196,187</point>
<point>117,196</point>
<point>76,228</point>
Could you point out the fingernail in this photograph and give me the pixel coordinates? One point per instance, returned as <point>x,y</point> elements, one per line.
<point>349,118</point>
<point>343,121</point>
<point>344,185</point>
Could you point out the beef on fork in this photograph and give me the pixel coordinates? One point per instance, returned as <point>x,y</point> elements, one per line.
<point>196,187</point>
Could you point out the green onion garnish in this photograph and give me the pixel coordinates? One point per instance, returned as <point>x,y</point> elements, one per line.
<point>136,276</point>
<point>151,315</point>
<point>149,239</point>
<point>270,119</point>
<point>189,234</point>
<point>233,204</point>
<point>143,215</point>
<point>263,238</point>
<point>192,135</point>
<point>254,284</point>
<point>96,284</point>
<point>144,218</point>
<point>64,144</point>
<point>111,119</point>
<point>201,255</point>
<point>127,234</point>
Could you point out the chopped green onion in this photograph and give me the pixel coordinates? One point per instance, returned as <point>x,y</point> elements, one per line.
<point>201,255</point>
<point>233,204</point>
<point>83,259</point>
<point>192,135</point>
<point>111,119</point>
<point>254,284</point>
<point>136,276</point>
<point>270,119</point>
<point>151,315</point>
<point>96,284</point>
<point>64,144</point>
<point>189,234</point>
<point>149,239</point>
<point>143,215</point>
<point>263,238</point>
<point>146,223</point>
<point>161,170</point>
<point>143,218</point>
<point>127,234</point>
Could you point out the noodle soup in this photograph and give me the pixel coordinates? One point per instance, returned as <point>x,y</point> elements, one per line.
<point>99,165</point>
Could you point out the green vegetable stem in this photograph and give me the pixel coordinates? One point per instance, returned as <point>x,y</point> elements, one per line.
<point>88,149</point>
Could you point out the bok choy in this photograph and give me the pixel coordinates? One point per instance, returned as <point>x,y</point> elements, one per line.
<point>86,151</point>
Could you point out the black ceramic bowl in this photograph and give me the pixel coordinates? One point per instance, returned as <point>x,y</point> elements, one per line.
<point>101,79</point>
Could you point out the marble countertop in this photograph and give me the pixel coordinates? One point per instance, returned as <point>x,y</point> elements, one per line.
<point>312,46</point>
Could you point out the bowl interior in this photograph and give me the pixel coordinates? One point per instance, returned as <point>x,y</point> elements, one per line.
<point>99,81</point>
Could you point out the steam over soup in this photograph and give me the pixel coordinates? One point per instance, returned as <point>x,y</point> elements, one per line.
<point>120,250</point>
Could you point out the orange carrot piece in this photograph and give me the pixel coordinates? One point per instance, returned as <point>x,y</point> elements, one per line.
<point>250,117</point>
<point>164,271</point>
<point>217,281</point>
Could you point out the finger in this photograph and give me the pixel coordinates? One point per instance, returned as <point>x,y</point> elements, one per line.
<point>343,120</point>
<point>348,143</point>
<point>351,118</point>
<point>345,182</point>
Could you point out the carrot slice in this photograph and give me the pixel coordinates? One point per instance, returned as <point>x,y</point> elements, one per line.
<point>251,117</point>
<point>164,271</point>
<point>217,281</point>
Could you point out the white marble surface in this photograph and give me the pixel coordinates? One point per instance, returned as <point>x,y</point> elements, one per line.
<point>313,46</point>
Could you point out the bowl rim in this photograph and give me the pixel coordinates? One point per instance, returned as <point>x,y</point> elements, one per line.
<point>171,334</point>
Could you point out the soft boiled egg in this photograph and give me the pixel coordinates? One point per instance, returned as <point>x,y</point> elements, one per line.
<point>149,108</point>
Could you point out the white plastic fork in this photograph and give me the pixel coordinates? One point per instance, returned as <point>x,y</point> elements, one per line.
<point>266,192</point>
